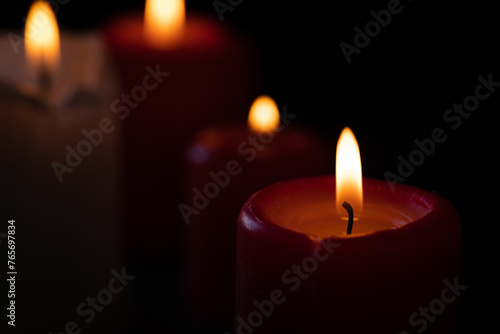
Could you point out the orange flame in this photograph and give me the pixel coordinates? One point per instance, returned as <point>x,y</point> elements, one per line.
<point>264,115</point>
<point>164,22</point>
<point>348,175</point>
<point>42,37</point>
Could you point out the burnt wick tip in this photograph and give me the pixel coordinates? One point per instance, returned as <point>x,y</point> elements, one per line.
<point>350,212</point>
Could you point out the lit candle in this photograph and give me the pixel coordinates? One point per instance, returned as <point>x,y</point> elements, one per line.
<point>299,268</point>
<point>207,74</point>
<point>233,161</point>
<point>67,224</point>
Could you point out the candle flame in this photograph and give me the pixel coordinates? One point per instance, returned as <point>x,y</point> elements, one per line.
<point>264,115</point>
<point>164,22</point>
<point>348,175</point>
<point>42,37</point>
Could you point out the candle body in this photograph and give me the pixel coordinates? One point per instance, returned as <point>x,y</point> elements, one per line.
<point>369,282</point>
<point>172,94</point>
<point>58,178</point>
<point>226,165</point>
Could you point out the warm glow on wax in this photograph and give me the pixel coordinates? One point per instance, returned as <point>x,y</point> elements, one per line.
<point>164,22</point>
<point>42,38</point>
<point>264,115</point>
<point>348,175</point>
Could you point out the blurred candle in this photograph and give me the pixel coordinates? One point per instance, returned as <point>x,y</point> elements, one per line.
<point>226,165</point>
<point>64,206</point>
<point>206,74</point>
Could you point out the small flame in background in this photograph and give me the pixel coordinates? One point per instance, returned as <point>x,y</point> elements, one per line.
<point>264,115</point>
<point>164,22</point>
<point>42,38</point>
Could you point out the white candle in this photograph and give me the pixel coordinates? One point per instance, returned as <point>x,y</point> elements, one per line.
<point>69,231</point>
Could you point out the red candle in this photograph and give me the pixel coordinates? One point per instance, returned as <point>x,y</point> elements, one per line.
<point>299,270</point>
<point>226,165</point>
<point>178,75</point>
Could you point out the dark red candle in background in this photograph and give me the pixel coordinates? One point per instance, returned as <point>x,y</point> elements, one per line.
<point>299,270</point>
<point>226,165</point>
<point>177,76</point>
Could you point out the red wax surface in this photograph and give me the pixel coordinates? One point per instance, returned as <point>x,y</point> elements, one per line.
<point>211,78</point>
<point>395,262</point>
<point>211,234</point>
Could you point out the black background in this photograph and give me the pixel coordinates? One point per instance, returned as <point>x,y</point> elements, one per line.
<point>394,91</point>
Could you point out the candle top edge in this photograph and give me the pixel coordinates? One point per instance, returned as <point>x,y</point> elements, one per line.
<point>302,206</point>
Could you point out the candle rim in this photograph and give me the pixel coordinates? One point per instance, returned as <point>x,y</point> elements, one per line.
<point>437,207</point>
